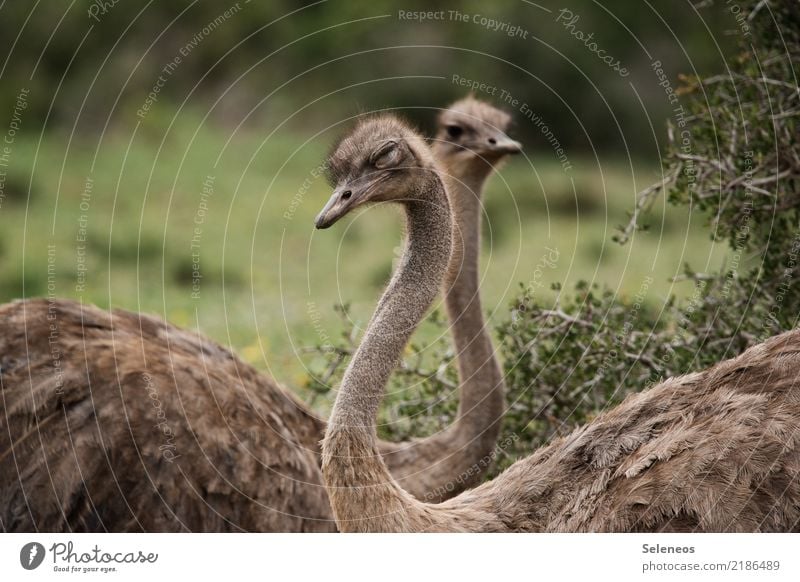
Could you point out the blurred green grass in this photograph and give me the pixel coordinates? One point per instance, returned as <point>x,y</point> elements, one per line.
<point>269,280</point>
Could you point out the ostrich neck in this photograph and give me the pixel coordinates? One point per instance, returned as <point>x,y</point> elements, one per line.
<point>481,400</point>
<point>452,460</point>
<point>404,304</point>
<point>358,481</point>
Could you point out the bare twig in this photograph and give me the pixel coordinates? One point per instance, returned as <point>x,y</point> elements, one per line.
<point>643,201</point>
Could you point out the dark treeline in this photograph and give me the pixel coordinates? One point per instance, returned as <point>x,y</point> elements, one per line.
<point>580,67</point>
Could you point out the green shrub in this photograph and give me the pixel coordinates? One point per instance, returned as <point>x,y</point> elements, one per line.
<point>734,159</point>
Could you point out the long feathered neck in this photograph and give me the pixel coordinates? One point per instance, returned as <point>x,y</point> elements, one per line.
<point>482,399</point>
<point>450,461</point>
<point>363,494</point>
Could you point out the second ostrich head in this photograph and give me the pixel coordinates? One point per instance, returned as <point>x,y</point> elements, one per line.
<point>470,128</point>
<point>382,159</point>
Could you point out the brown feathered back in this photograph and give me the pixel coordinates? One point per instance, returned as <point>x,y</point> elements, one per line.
<point>715,451</point>
<point>121,421</point>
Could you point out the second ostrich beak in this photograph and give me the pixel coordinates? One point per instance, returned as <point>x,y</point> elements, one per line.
<point>502,144</point>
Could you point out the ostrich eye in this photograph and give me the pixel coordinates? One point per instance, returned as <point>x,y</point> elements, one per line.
<point>454,130</point>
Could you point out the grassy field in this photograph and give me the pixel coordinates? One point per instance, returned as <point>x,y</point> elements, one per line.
<point>145,217</point>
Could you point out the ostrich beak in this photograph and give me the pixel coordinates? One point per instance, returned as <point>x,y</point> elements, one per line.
<point>503,144</point>
<point>340,203</point>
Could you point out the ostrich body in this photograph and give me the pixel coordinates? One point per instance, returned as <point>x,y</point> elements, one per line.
<point>712,451</point>
<point>126,423</point>
<point>117,421</point>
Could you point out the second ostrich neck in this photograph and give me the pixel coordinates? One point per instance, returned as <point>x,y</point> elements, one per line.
<point>481,399</point>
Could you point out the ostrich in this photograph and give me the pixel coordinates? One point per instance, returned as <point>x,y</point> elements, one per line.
<point>717,450</point>
<point>120,421</point>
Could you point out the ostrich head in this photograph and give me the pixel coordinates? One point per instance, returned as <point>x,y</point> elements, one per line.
<point>381,159</point>
<point>471,128</point>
